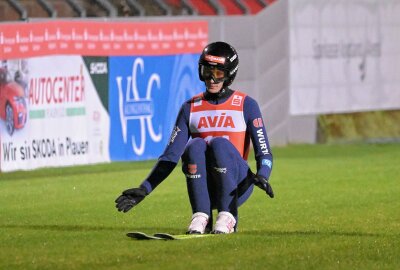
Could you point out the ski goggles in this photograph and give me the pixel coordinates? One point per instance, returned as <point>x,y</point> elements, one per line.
<point>213,73</point>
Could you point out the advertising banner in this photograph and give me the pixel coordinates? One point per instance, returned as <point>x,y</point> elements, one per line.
<point>23,40</point>
<point>145,96</point>
<point>344,56</point>
<point>54,116</point>
<point>63,101</point>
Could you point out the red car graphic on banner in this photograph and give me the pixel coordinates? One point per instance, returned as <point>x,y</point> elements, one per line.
<point>12,103</point>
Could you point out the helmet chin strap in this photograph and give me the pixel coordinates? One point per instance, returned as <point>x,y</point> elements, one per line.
<point>221,93</point>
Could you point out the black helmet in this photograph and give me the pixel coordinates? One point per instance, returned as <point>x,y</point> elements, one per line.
<point>222,56</point>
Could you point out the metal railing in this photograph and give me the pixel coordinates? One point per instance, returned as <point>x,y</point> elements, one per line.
<point>48,8</point>
<point>77,8</point>
<point>138,8</point>
<point>23,13</point>
<point>108,7</point>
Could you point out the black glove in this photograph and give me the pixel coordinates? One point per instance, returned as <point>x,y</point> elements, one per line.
<point>130,198</point>
<point>262,182</point>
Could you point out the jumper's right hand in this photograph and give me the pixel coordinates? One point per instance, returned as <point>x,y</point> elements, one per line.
<point>264,184</point>
<point>129,198</point>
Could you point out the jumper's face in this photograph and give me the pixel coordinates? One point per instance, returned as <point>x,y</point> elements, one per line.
<point>213,77</point>
<point>212,87</point>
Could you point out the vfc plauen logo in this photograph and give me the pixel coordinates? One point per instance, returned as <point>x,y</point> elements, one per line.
<point>133,107</point>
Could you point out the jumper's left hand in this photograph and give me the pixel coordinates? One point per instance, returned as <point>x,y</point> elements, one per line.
<point>264,184</point>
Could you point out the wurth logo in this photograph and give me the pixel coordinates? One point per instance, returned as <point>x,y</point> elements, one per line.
<point>222,120</point>
<point>262,141</point>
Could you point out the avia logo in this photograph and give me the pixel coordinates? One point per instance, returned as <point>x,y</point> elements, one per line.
<point>133,107</point>
<point>216,121</point>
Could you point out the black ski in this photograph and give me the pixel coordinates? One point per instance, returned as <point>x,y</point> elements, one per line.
<point>165,236</point>
<point>142,236</point>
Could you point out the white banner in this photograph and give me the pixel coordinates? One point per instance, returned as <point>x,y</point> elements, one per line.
<point>58,118</point>
<point>344,55</point>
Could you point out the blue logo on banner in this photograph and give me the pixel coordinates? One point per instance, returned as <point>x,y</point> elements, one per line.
<point>145,95</point>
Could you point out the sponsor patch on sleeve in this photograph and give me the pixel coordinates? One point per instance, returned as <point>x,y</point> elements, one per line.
<point>258,123</point>
<point>174,134</point>
<point>266,162</point>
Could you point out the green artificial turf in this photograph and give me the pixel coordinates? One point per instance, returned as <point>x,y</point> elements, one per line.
<point>336,207</point>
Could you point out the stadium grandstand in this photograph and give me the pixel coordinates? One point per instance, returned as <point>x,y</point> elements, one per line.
<point>13,10</point>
